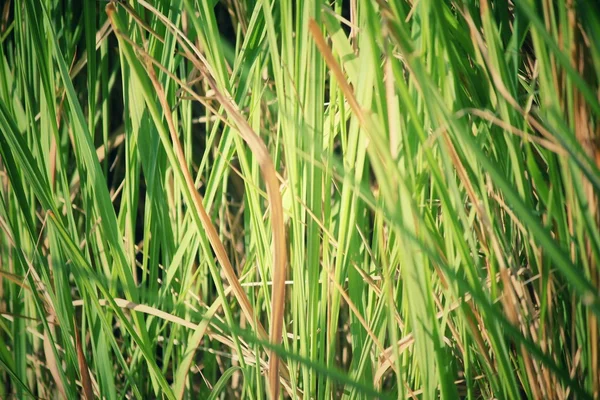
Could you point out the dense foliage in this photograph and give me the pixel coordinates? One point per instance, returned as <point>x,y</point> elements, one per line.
<point>320,199</point>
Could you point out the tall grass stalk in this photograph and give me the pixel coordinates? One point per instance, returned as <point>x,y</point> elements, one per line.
<point>299,199</point>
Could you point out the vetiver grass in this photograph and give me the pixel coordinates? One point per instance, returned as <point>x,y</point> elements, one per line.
<point>308,199</point>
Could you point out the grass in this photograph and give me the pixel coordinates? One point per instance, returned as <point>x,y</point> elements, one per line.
<point>255,199</point>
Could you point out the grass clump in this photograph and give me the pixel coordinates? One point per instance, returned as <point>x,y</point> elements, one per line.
<point>252,199</point>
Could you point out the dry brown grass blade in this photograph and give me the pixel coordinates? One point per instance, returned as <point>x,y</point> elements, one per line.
<point>259,149</point>
<point>588,134</point>
<point>261,153</point>
<point>499,85</point>
<point>16,279</point>
<point>283,368</point>
<point>248,354</point>
<point>126,304</point>
<point>388,356</point>
<point>337,71</point>
<point>86,381</point>
<point>51,363</point>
